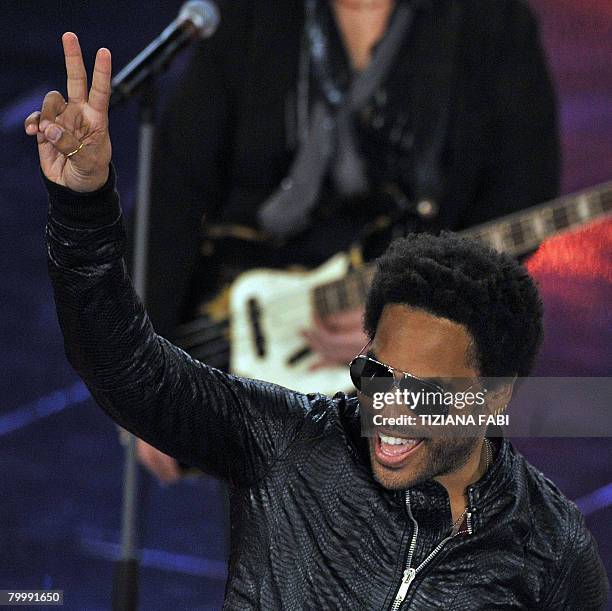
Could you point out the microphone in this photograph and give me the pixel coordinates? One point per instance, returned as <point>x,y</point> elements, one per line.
<point>196,20</point>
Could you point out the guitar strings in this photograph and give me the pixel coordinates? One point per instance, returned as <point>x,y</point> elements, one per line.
<point>477,233</point>
<point>206,352</point>
<point>203,336</point>
<point>206,337</point>
<point>210,331</point>
<point>202,332</point>
<point>285,295</point>
<point>289,305</point>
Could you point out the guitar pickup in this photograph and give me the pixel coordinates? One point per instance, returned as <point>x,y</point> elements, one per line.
<point>254,317</point>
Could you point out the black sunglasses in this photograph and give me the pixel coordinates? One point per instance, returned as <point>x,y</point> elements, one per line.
<point>370,376</point>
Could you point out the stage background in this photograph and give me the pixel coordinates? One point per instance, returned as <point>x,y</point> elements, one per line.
<point>60,461</point>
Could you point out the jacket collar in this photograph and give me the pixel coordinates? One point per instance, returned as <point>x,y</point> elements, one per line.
<point>496,495</point>
<point>493,494</point>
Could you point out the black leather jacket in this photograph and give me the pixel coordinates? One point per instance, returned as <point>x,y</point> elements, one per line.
<point>311,529</point>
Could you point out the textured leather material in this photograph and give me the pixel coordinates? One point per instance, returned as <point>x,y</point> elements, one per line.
<point>311,529</point>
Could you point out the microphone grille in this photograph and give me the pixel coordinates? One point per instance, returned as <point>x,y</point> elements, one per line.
<point>204,16</point>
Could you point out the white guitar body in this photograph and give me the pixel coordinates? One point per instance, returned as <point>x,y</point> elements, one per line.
<point>268,309</point>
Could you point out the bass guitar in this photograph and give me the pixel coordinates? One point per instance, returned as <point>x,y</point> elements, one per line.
<point>255,323</point>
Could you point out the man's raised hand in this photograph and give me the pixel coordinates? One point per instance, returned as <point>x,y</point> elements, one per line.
<point>79,124</point>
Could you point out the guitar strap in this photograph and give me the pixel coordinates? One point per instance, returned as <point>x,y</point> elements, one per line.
<point>433,106</point>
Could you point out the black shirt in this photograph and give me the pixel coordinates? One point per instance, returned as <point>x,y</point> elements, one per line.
<point>227,138</point>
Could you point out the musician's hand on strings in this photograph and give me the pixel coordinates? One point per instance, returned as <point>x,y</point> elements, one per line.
<point>337,338</point>
<point>163,467</point>
<point>78,126</point>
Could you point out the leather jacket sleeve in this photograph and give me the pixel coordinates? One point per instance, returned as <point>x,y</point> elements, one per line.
<point>582,582</point>
<point>223,424</point>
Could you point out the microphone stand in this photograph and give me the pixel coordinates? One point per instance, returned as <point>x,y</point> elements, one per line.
<point>126,571</point>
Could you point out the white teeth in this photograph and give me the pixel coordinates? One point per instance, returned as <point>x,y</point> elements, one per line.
<point>397,440</point>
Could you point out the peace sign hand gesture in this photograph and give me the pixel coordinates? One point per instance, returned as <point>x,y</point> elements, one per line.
<point>73,141</point>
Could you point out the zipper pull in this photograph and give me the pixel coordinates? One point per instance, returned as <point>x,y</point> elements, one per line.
<point>409,575</point>
<point>469,523</point>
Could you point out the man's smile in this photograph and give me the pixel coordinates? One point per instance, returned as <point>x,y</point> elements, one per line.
<point>394,452</point>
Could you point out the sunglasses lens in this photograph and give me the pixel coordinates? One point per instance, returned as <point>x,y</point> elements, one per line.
<point>427,398</point>
<point>370,377</point>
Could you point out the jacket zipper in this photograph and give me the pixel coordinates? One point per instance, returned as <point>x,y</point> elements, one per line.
<point>409,572</point>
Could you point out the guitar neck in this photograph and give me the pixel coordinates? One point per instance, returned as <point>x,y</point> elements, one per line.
<point>348,293</point>
<point>516,234</point>
<point>522,232</point>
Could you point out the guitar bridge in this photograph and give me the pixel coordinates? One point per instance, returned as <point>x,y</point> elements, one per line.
<point>297,356</point>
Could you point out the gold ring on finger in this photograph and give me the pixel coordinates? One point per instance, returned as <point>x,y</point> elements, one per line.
<point>76,150</point>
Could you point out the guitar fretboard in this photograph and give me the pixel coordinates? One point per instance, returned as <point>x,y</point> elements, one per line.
<point>344,294</point>
<point>521,232</point>
<point>516,234</point>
